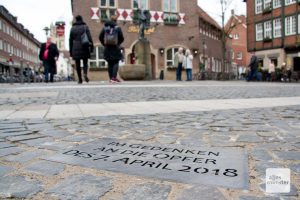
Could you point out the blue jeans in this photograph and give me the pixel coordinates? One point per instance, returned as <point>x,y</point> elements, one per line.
<point>48,69</point>
<point>252,74</point>
<point>178,72</point>
<point>189,74</point>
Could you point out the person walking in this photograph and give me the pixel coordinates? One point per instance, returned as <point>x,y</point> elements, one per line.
<point>253,68</point>
<point>111,37</point>
<point>271,71</point>
<point>78,50</point>
<point>48,55</point>
<point>178,61</point>
<point>188,64</point>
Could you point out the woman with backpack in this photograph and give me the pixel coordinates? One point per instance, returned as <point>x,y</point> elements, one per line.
<point>80,50</point>
<point>111,37</point>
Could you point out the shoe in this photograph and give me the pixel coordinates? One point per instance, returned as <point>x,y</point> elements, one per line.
<point>86,78</point>
<point>112,81</point>
<point>117,80</point>
<point>80,82</point>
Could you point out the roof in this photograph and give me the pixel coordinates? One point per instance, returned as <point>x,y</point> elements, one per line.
<point>240,19</point>
<point>207,18</point>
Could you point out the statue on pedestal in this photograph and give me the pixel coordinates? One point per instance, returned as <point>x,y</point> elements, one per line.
<point>144,19</point>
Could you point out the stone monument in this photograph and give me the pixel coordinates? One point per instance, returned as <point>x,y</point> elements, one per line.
<point>143,53</point>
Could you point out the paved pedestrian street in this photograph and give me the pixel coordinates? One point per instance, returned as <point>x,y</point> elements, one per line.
<point>153,140</point>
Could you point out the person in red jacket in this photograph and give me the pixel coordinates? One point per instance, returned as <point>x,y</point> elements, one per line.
<point>49,55</point>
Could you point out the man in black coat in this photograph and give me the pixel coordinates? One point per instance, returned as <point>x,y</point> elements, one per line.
<point>49,55</point>
<point>112,53</point>
<point>253,68</point>
<point>79,51</point>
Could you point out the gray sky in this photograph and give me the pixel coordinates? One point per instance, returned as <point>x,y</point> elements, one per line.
<point>36,14</point>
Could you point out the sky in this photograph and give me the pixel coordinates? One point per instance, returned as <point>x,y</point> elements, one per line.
<point>35,15</point>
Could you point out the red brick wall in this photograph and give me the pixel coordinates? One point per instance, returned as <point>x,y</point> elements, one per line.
<point>252,19</point>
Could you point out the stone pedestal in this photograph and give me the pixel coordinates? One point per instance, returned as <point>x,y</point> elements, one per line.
<point>143,53</point>
<point>132,72</point>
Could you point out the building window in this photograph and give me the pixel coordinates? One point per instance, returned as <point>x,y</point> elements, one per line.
<point>107,8</point>
<point>289,2</point>
<point>290,25</point>
<point>259,32</point>
<point>141,4</point>
<point>268,4</point>
<point>277,28</point>
<point>1,45</point>
<point>276,3</point>
<point>170,57</point>
<point>268,29</point>
<point>170,6</point>
<point>232,55</point>
<point>258,6</point>
<point>236,36</point>
<point>0,25</point>
<point>239,56</point>
<point>97,58</point>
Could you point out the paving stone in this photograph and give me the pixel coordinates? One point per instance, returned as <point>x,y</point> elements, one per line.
<point>260,154</point>
<point>4,145</point>
<point>10,134</point>
<point>249,138</point>
<point>45,168</point>
<point>288,155</point>
<point>18,187</point>
<point>37,142</point>
<point>56,146</point>
<point>263,165</point>
<point>5,170</point>
<point>295,168</point>
<point>201,193</point>
<point>25,137</point>
<point>167,139</point>
<point>15,130</point>
<point>40,127</point>
<point>148,191</point>
<point>78,138</point>
<point>9,151</point>
<point>83,187</point>
<point>55,133</point>
<point>258,198</point>
<point>26,156</point>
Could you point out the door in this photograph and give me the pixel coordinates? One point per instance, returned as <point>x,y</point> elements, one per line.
<point>297,64</point>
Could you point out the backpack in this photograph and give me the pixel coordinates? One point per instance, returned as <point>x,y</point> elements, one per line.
<point>111,36</point>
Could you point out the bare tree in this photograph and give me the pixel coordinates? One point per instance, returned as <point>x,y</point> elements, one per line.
<point>225,4</point>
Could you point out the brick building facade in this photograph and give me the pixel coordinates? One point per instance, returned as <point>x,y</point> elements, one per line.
<point>16,44</point>
<point>237,27</point>
<point>273,31</point>
<point>173,24</point>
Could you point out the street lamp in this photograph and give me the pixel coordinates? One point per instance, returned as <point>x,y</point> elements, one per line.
<point>46,29</point>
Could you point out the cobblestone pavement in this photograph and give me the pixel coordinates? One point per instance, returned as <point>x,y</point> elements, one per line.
<point>271,137</point>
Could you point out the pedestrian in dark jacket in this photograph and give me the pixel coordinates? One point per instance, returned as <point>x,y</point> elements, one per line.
<point>78,51</point>
<point>49,55</point>
<point>253,68</point>
<point>112,53</point>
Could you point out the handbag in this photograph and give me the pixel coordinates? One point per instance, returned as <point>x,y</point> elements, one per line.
<point>84,38</point>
